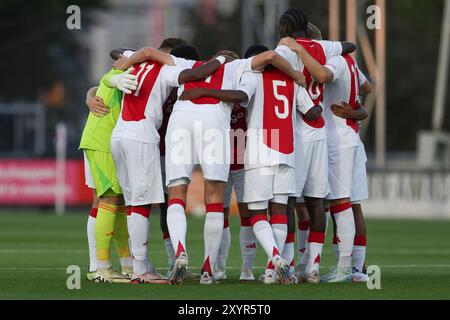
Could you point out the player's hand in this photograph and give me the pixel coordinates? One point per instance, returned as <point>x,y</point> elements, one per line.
<point>300,80</point>
<point>97,106</point>
<point>191,94</point>
<point>342,110</point>
<point>123,63</point>
<point>290,43</point>
<point>125,82</point>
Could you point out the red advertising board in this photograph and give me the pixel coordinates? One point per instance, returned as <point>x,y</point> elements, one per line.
<point>33,182</point>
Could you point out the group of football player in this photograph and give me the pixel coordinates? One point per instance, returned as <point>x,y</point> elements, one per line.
<point>279,127</point>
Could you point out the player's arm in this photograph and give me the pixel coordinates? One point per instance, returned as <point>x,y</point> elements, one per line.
<point>96,104</point>
<point>229,96</point>
<point>318,71</point>
<point>345,111</point>
<point>306,106</point>
<point>202,72</point>
<point>143,55</point>
<point>366,88</point>
<point>348,47</point>
<point>261,61</point>
<point>314,113</point>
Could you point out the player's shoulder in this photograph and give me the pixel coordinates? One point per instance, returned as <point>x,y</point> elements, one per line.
<point>182,62</point>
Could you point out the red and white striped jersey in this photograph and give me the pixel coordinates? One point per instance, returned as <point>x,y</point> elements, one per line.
<point>345,87</point>
<point>271,118</point>
<point>322,51</point>
<point>227,77</point>
<point>141,115</point>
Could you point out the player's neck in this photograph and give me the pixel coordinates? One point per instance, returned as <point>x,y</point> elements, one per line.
<point>300,35</point>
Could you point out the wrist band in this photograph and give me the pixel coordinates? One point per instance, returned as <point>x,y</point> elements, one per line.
<point>221,59</point>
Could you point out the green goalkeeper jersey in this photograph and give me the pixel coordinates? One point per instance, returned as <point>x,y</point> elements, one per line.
<point>97,131</point>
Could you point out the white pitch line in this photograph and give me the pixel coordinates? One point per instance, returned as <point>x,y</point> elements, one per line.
<point>408,266</point>
<point>57,251</point>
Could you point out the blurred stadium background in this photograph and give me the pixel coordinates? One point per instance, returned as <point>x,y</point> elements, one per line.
<point>48,68</point>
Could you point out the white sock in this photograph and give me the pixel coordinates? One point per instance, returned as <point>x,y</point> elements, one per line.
<point>302,238</point>
<point>139,242</point>
<point>247,241</point>
<point>336,248</point>
<point>304,258</point>
<point>359,254</point>
<point>177,225</point>
<point>280,230</point>
<point>169,250</point>
<point>289,250</point>
<point>315,244</point>
<point>264,233</point>
<point>212,235</point>
<point>128,227</point>
<point>224,248</point>
<point>91,243</point>
<point>345,232</point>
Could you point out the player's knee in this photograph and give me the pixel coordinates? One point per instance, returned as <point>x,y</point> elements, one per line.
<point>178,189</point>
<point>258,206</point>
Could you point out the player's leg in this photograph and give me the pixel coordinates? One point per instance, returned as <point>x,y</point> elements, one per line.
<point>314,191</point>
<point>109,206</point>
<point>257,193</point>
<point>163,220</point>
<point>247,242</point>
<point>90,183</point>
<point>303,232</point>
<point>359,193</point>
<point>289,246</point>
<point>121,239</point>
<point>214,223</point>
<point>139,173</point>
<point>360,244</point>
<point>179,166</point>
<point>91,237</point>
<point>341,164</point>
<point>220,267</point>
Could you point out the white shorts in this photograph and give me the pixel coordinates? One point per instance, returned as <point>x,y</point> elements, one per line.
<point>311,169</point>
<point>139,171</point>
<point>341,169</point>
<point>195,138</point>
<point>263,184</point>
<point>236,181</point>
<point>360,191</point>
<point>89,180</point>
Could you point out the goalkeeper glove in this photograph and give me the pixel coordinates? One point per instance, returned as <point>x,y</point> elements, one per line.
<point>125,82</point>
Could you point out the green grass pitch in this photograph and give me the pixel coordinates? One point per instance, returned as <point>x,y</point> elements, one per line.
<point>36,249</point>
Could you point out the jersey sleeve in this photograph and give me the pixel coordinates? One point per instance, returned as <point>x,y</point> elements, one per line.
<point>337,66</point>
<point>234,71</point>
<point>171,74</point>
<point>331,48</point>
<point>183,63</point>
<point>303,100</point>
<point>362,77</point>
<point>248,85</point>
<point>289,55</point>
<point>105,80</point>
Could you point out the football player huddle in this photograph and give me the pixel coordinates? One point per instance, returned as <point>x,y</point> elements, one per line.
<point>279,127</point>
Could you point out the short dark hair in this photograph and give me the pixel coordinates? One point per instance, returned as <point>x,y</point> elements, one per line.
<point>255,50</point>
<point>295,21</point>
<point>314,32</point>
<point>116,53</point>
<point>185,51</point>
<point>171,43</point>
